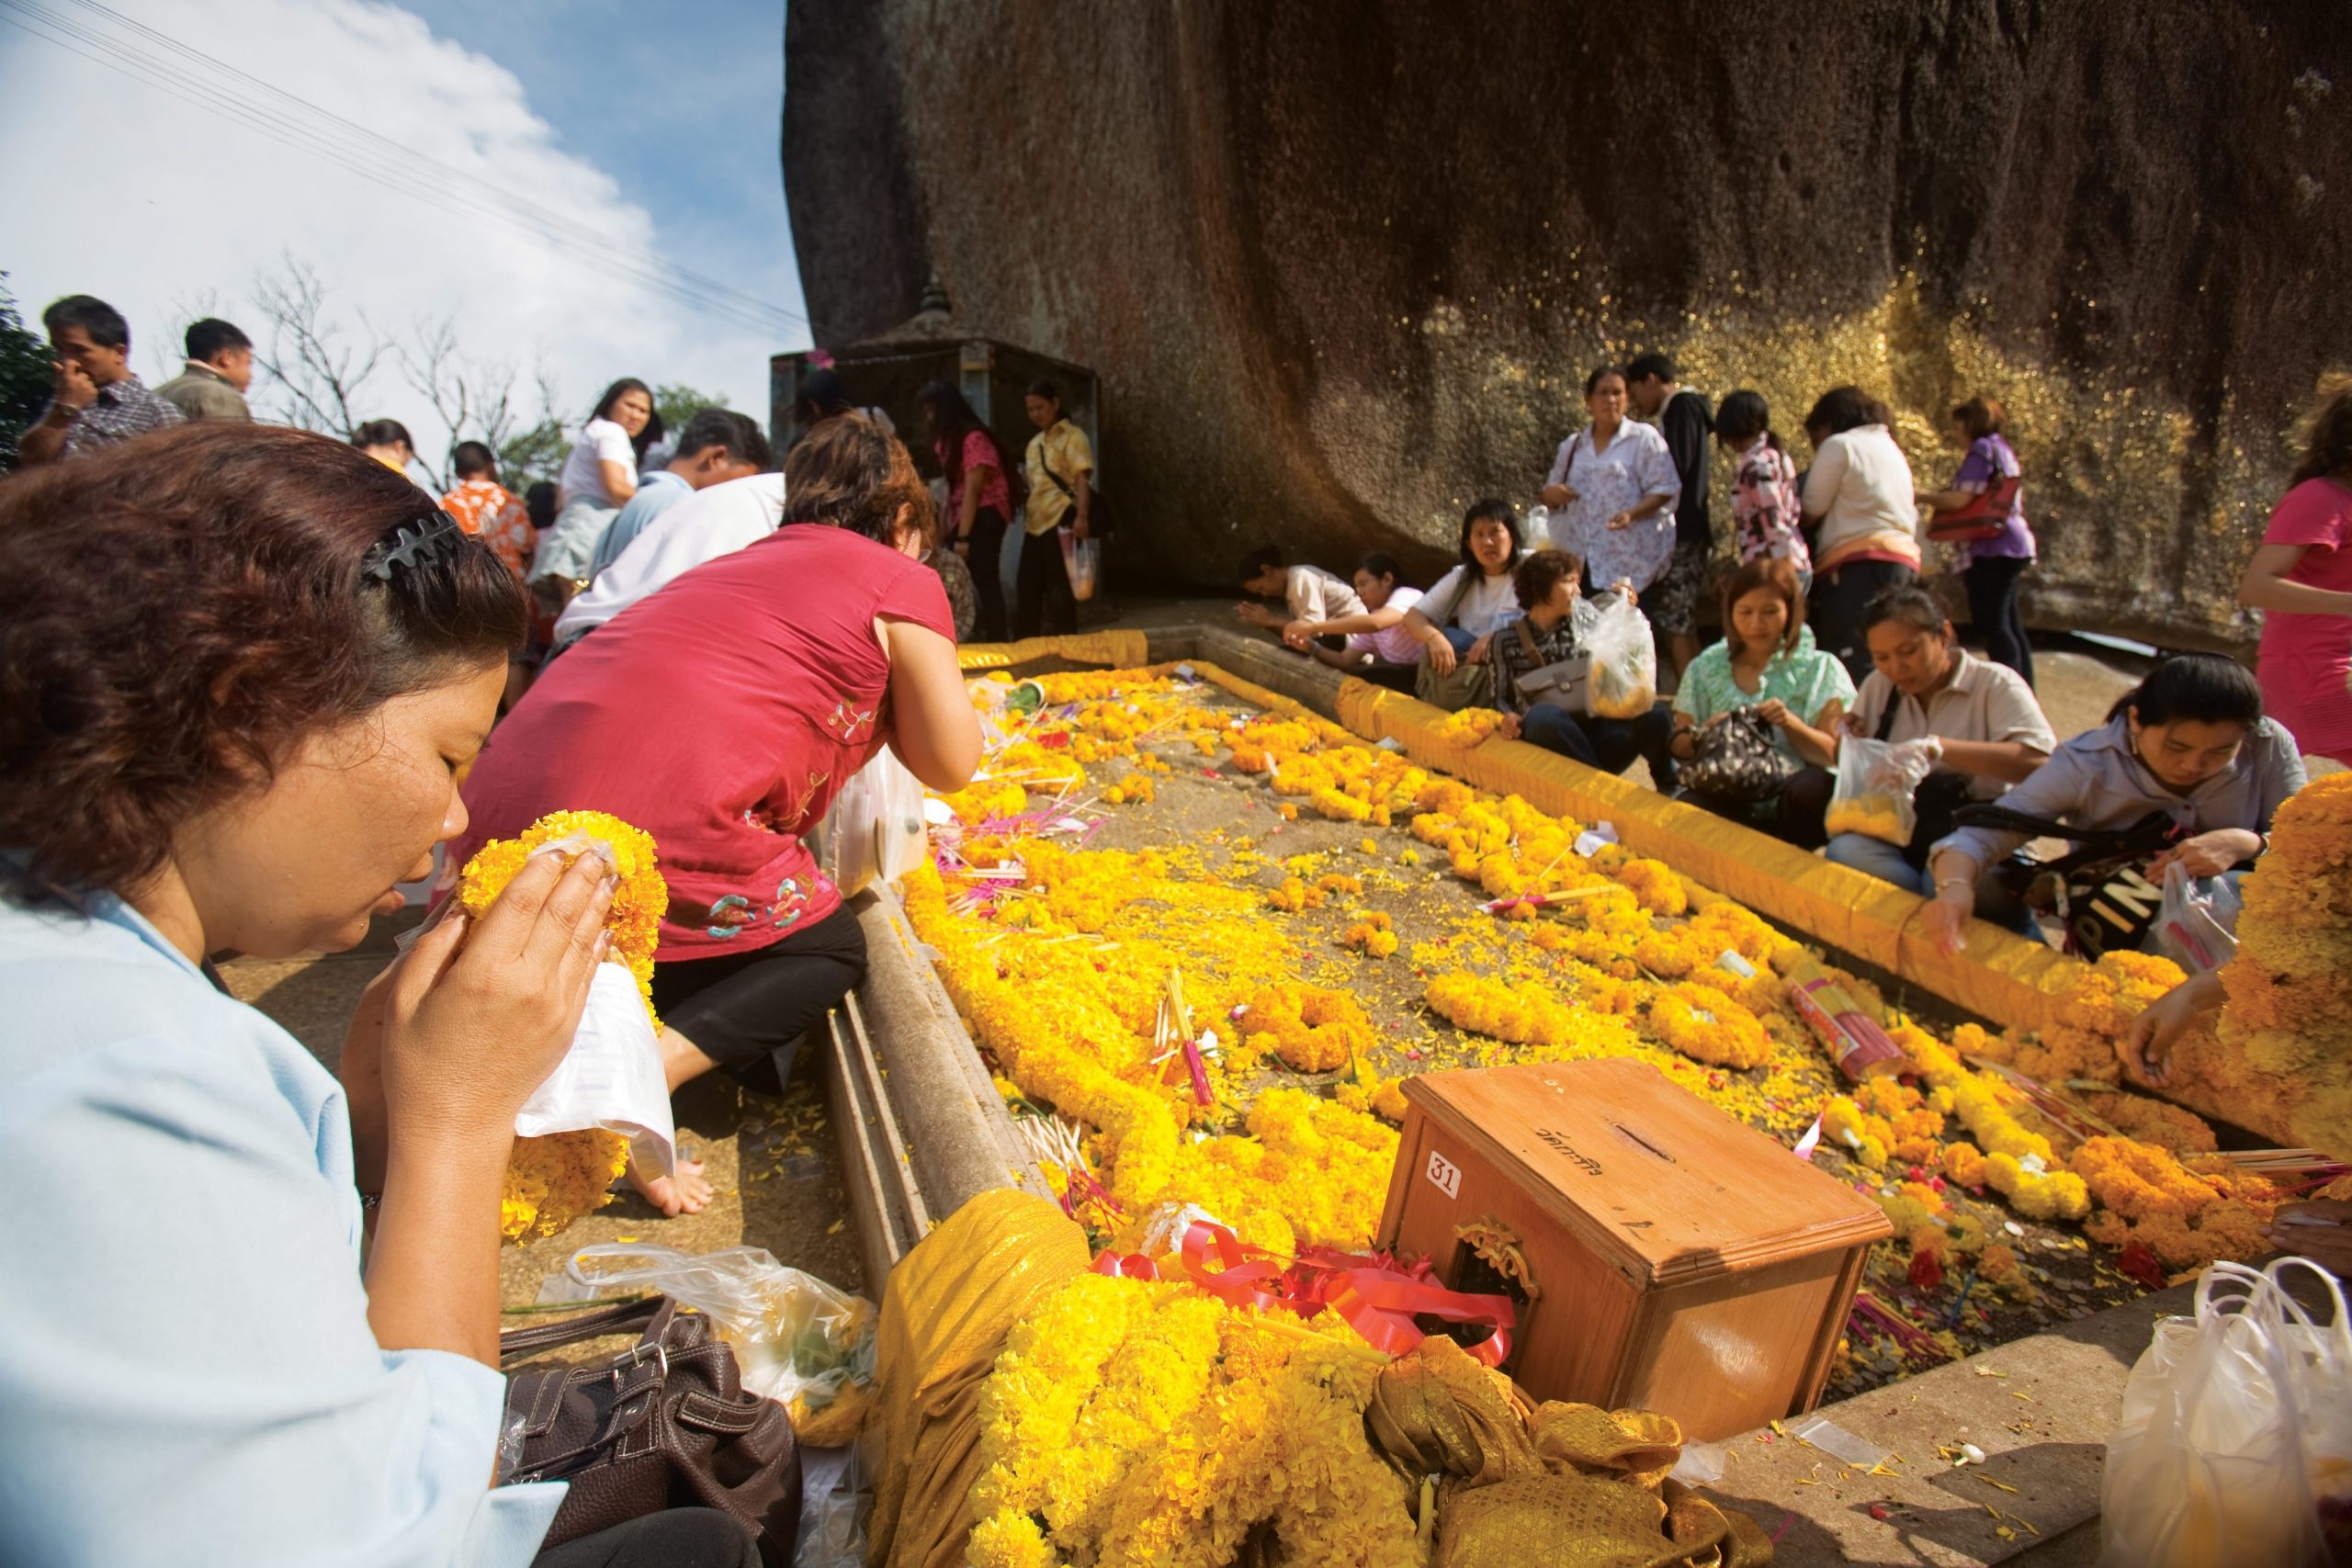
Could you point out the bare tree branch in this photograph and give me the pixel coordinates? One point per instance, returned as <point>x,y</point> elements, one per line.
<point>309,360</point>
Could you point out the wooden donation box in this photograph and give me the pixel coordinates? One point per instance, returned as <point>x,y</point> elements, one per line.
<point>1679,1261</point>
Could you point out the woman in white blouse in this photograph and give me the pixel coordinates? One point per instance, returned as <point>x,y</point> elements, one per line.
<point>246,754</point>
<point>1859,491</point>
<point>1612,491</point>
<point>596,481</point>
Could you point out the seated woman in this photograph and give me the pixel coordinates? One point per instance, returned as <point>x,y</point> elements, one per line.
<point>1766,662</point>
<point>1380,647</point>
<point>1558,620</point>
<point>722,716</point>
<point>248,751</point>
<point>1454,621</point>
<point>2190,742</point>
<point>1976,720</point>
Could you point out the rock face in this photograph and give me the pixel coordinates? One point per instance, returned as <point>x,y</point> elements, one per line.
<point>1343,265</point>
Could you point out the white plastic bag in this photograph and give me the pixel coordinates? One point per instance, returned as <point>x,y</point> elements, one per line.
<point>1082,561</point>
<point>2236,1433</point>
<point>1624,662</point>
<point>1876,780</point>
<point>797,1340</point>
<point>2196,924</point>
<point>874,831</point>
<point>611,1076</point>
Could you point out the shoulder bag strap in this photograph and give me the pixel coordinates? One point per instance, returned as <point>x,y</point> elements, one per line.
<point>1886,717</point>
<point>1048,464</point>
<point>616,1319</point>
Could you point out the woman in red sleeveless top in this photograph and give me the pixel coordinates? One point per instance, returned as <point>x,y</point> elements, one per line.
<point>721,714</point>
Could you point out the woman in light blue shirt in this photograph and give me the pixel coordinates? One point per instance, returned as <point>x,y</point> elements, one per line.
<point>2190,742</point>
<point>243,669</point>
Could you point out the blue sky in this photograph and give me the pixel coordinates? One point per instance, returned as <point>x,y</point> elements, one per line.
<point>681,104</point>
<point>179,193</point>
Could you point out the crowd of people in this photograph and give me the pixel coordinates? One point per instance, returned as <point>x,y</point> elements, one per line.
<point>249,691</point>
<point>1830,635</point>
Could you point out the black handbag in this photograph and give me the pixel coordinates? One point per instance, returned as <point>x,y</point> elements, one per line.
<point>667,1424</point>
<point>2100,893</point>
<point>1737,757</point>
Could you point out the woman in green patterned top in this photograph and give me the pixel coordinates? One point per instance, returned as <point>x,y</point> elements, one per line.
<point>1766,662</point>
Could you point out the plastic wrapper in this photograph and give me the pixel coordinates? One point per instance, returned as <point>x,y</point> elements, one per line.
<point>834,1501</point>
<point>1081,561</point>
<point>1861,1047</point>
<point>2196,924</point>
<point>610,1076</point>
<point>1625,662</point>
<point>1876,780</point>
<point>2234,1444</point>
<point>875,830</point>
<point>797,1340</point>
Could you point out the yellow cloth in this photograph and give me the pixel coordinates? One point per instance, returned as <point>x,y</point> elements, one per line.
<point>1120,649</point>
<point>945,1314</point>
<point>1066,449</point>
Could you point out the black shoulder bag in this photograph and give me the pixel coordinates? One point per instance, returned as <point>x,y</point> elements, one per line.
<point>2100,893</point>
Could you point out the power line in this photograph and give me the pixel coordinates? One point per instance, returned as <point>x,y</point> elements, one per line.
<point>380,160</point>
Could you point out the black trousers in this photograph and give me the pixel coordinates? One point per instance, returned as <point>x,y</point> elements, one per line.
<point>984,555</point>
<point>1839,598</point>
<point>676,1537</point>
<point>1608,744</point>
<point>748,1010</point>
<point>1992,583</point>
<point>1043,584</point>
<point>1794,814</point>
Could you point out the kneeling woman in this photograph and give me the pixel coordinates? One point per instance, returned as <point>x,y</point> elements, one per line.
<point>1558,620</point>
<point>1977,720</point>
<point>1766,662</point>
<point>246,751</point>
<point>722,716</point>
<point>2189,742</point>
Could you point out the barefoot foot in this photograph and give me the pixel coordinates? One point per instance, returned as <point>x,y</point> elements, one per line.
<point>687,1192</point>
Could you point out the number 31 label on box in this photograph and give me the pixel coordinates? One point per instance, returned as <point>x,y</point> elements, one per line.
<point>1444,1175</point>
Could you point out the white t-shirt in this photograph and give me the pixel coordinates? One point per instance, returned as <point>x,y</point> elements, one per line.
<point>1859,484</point>
<point>1488,605</point>
<point>1313,595</point>
<point>711,522</point>
<point>1395,644</point>
<point>600,440</point>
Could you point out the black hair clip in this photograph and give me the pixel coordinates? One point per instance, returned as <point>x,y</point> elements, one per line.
<point>429,539</point>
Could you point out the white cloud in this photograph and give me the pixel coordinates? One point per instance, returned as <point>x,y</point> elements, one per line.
<point>119,190</point>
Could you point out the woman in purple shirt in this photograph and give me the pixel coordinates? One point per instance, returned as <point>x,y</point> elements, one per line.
<point>1990,567</point>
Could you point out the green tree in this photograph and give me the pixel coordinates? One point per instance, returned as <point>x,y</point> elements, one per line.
<point>26,377</point>
<point>532,454</point>
<point>676,403</point>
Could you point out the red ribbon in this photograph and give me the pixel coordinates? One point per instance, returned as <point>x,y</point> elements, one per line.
<point>1374,1294</point>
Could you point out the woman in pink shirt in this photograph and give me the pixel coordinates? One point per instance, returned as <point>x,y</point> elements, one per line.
<point>980,495</point>
<point>722,716</point>
<point>2301,578</point>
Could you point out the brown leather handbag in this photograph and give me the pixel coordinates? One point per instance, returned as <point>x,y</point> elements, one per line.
<point>666,1423</point>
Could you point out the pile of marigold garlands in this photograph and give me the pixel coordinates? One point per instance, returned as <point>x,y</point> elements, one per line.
<point>1275,1115</point>
<point>553,1181</point>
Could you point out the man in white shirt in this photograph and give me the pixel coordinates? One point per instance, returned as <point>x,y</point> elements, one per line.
<point>716,447</point>
<point>702,526</point>
<point>1308,593</point>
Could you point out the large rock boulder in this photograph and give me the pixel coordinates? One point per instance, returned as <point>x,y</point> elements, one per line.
<point>1342,265</point>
